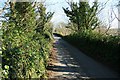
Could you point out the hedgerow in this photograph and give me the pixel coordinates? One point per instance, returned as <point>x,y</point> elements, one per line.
<point>26,43</point>
<point>104,48</point>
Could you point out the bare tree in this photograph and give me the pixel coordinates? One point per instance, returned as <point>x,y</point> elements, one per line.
<point>118,18</point>
<point>110,20</point>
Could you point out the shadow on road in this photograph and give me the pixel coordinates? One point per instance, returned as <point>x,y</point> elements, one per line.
<point>63,69</point>
<point>74,65</point>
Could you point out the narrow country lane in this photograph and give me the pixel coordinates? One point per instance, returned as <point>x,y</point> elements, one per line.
<point>74,65</point>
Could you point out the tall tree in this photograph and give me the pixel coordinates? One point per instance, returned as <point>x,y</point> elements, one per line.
<point>43,18</point>
<point>43,30</point>
<point>83,15</point>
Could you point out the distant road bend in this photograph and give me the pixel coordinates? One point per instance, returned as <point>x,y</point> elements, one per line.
<point>74,65</point>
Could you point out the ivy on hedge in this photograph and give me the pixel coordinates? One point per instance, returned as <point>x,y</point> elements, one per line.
<point>24,50</point>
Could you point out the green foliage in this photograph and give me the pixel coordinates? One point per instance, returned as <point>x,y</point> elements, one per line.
<point>44,29</point>
<point>25,51</point>
<point>44,18</point>
<point>100,47</point>
<point>84,16</point>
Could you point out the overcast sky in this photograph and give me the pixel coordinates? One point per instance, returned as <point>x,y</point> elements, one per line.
<point>59,16</point>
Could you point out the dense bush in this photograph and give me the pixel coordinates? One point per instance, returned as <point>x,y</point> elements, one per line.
<point>25,51</point>
<point>100,47</point>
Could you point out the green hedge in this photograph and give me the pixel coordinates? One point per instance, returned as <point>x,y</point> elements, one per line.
<point>25,51</point>
<point>105,49</point>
